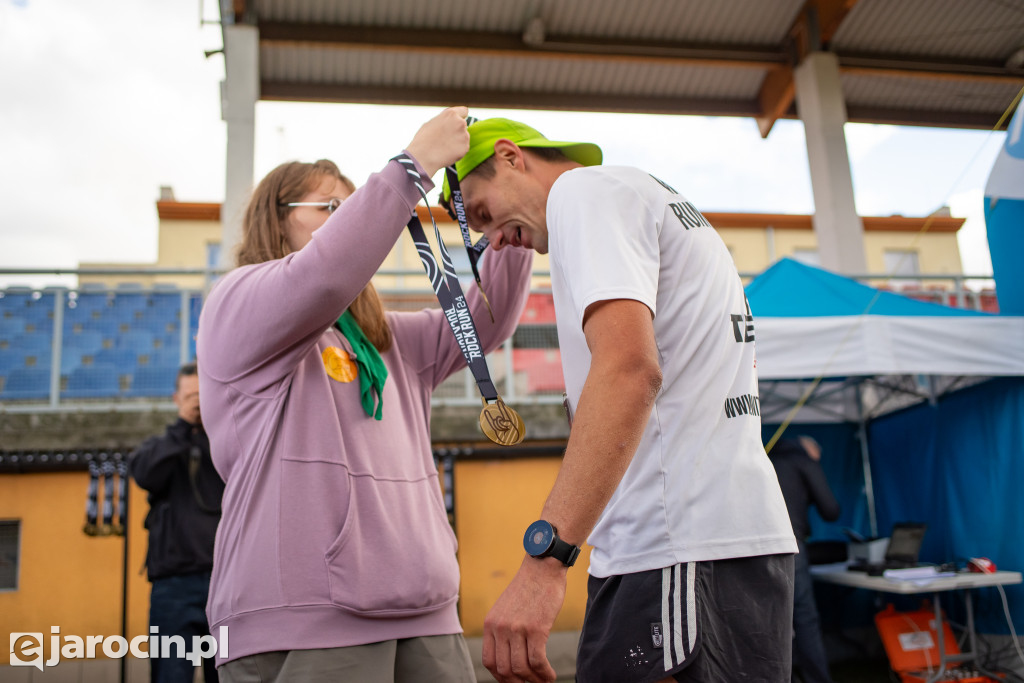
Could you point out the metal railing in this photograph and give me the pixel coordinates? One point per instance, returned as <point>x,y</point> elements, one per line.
<point>526,369</point>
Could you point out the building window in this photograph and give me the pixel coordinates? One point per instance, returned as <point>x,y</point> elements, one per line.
<point>901,262</point>
<point>213,258</point>
<point>10,545</point>
<point>808,257</point>
<point>902,265</point>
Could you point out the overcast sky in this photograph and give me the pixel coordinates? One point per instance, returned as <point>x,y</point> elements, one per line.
<point>102,102</point>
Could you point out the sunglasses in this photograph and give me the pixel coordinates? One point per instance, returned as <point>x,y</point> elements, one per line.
<point>330,205</point>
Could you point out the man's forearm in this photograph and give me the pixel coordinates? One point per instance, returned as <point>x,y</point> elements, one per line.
<point>613,411</point>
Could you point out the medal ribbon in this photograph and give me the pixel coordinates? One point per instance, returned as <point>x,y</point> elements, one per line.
<point>447,288</point>
<point>458,212</point>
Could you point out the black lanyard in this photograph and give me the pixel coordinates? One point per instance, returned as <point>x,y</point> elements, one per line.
<point>445,283</point>
<point>500,423</point>
<point>459,212</point>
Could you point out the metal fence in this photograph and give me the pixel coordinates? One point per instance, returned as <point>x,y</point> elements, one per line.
<point>97,348</point>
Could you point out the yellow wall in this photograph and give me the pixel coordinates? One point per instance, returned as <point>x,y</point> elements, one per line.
<point>748,247</point>
<point>68,579</point>
<point>182,244</point>
<point>938,252</point>
<point>71,580</point>
<point>495,500</point>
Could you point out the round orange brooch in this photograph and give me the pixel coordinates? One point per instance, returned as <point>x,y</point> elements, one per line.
<point>339,366</point>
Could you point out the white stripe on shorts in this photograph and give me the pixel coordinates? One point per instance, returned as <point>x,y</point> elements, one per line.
<point>666,625</point>
<point>691,605</point>
<point>672,586</point>
<point>677,622</point>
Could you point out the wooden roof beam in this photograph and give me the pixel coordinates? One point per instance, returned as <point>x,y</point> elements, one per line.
<point>814,27</point>
<point>500,99</point>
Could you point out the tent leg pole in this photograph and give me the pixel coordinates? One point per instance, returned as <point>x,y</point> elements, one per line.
<point>869,488</point>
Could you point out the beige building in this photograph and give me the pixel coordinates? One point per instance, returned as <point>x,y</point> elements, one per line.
<point>190,233</point>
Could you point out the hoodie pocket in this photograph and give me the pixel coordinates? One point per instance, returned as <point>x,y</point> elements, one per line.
<point>395,554</point>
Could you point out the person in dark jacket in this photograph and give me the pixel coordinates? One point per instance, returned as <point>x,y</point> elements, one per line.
<point>184,509</point>
<point>803,483</point>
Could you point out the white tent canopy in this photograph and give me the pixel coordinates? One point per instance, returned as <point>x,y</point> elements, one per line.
<point>866,351</point>
<point>831,350</point>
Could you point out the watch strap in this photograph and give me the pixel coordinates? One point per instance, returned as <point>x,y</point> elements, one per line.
<point>564,552</point>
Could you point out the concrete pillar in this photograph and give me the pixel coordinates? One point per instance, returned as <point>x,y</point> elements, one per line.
<point>239,93</point>
<point>820,105</point>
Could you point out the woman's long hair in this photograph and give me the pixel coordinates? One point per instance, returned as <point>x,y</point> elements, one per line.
<point>264,237</point>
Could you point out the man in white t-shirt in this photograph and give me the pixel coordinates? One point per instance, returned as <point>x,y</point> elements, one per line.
<point>664,473</point>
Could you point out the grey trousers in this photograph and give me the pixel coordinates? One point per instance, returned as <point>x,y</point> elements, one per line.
<point>430,659</point>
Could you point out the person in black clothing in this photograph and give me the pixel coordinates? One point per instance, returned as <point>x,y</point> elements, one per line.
<point>803,483</point>
<point>184,510</point>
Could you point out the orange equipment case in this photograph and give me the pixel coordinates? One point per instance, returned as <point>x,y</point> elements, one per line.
<point>911,643</point>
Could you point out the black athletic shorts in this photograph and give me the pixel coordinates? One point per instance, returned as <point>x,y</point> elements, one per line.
<point>720,621</point>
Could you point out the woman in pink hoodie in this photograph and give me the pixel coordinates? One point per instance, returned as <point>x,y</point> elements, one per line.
<point>334,558</point>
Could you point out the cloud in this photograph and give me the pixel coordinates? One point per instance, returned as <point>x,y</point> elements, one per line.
<point>97,115</point>
<point>105,101</point>
<point>972,237</point>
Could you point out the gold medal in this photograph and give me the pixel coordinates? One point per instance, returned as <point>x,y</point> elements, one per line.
<point>501,424</point>
<point>339,366</point>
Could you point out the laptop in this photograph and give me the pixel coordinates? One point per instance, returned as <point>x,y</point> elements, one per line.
<point>902,552</point>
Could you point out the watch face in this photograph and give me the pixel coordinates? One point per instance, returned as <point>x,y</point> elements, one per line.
<point>539,538</point>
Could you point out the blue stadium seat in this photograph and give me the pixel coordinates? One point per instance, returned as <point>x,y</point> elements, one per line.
<point>154,380</point>
<point>23,358</point>
<point>124,359</point>
<point>48,297</point>
<point>157,316</point>
<point>140,341</point>
<point>128,314</point>
<point>34,342</point>
<point>130,301</point>
<point>169,355</point>
<point>11,359</point>
<point>15,298</point>
<point>88,340</point>
<point>169,340</point>
<point>93,381</point>
<point>23,384</point>
<point>40,316</point>
<point>84,317</point>
<point>71,359</point>
<point>12,327</point>
<point>39,360</point>
<point>166,299</point>
<point>90,301</point>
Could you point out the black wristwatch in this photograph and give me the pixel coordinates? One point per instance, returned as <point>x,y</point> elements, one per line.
<point>541,540</point>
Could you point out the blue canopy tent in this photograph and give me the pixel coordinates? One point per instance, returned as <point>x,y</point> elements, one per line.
<point>919,408</point>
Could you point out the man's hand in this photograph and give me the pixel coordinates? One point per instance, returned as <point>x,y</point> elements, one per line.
<point>516,629</point>
<point>811,447</point>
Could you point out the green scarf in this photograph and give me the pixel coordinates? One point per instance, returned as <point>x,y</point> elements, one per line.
<point>372,372</point>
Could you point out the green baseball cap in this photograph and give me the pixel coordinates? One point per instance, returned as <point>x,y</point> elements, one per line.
<point>483,134</point>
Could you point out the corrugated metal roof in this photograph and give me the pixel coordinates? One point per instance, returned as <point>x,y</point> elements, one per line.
<point>908,93</point>
<point>367,66</point>
<point>740,22</point>
<point>930,62</point>
<point>977,30</point>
